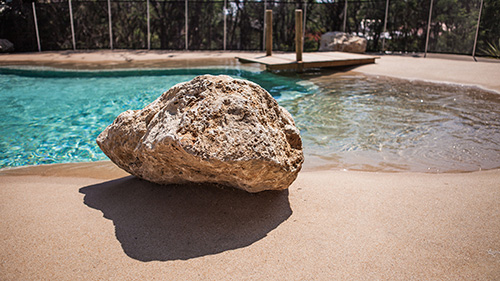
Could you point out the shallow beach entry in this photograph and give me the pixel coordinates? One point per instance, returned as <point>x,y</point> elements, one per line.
<point>346,121</point>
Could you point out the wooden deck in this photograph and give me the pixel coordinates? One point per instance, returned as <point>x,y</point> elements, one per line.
<point>309,60</point>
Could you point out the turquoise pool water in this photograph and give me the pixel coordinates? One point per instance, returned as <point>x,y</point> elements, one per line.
<point>347,122</point>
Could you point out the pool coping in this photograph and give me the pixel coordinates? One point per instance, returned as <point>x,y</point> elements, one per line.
<point>437,68</point>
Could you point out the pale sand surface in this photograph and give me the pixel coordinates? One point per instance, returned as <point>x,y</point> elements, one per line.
<point>456,70</point>
<point>330,225</point>
<point>106,56</point>
<point>91,221</point>
<point>104,59</point>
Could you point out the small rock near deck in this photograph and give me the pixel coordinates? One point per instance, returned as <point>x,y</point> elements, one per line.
<point>341,41</point>
<point>6,46</point>
<point>212,129</point>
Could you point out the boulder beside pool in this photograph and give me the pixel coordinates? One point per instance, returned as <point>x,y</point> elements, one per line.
<point>341,41</point>
<point>214,129</point>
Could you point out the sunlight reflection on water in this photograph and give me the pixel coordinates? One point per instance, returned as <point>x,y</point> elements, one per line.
<point>346,122</point>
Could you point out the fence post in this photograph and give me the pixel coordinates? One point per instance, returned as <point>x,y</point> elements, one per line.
<point>269,32</point>
<point>385,24</point>
<point>477,31</point>
<point>110,26</point>
<point>36,27</point>
<point>345,15</point>
<point>149,28</point>
<point>298,35</point>
<point>264,30</point>
<point>304,24</point>
<point>186,23</point>
<point>428,29</point>
<point>72,24</point>
<point>225,23</point>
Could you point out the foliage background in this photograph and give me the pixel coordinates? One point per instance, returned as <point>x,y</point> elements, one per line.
<point>453,24</point>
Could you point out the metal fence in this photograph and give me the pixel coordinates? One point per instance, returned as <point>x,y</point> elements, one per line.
<point>445,26</point>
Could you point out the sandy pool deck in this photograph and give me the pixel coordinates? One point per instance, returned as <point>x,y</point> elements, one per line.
<point>91,221</point>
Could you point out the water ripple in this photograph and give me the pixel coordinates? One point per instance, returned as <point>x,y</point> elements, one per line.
<point>347,122</point>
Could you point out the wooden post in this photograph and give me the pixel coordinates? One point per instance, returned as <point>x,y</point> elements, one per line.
<point>298,35</point>
<point>269,32</point>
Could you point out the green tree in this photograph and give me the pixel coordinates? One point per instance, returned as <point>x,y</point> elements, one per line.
<point>489,29</point>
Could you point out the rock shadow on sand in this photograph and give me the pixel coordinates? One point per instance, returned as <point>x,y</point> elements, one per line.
<point>154,222</point>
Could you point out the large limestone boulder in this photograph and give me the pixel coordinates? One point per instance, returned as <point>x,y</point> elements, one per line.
<point>211,129</point>
<point>344,42</point>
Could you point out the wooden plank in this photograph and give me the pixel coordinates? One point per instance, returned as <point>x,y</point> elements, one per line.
<point>319,64</point>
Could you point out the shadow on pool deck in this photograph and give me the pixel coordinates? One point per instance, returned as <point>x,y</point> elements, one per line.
<point>154,222</point>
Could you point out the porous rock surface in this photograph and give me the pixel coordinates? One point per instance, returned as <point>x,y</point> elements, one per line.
<point>341,41</point>
<point>211,129</point>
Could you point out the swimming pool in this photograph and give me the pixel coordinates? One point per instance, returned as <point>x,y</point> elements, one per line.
<point>346,121</point>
